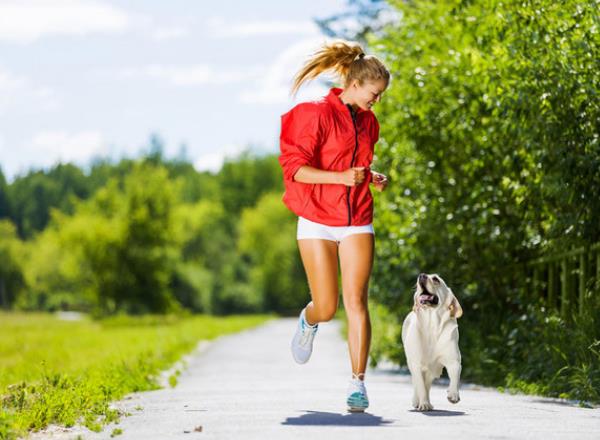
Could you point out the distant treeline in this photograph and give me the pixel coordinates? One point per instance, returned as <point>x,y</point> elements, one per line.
<point>150,235</point>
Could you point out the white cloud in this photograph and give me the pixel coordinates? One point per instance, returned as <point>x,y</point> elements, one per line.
<point>9,82</point>
<point>25,21</point>
<point>47,148</point>
<point>214,160</point>
<point>274,86</point>
<point>170,33</point>
<point>220,28</point>
<point>188,75</point>
<point>19,90</point>
<point>54,146</point>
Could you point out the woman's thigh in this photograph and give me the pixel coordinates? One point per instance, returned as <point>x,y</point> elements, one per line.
<point>356,261</point>
<point>320,260</point>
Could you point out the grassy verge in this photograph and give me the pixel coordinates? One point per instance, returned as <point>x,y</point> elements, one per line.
<point>66,372</point>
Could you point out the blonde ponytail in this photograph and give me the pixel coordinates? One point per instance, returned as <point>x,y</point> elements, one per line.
<point>345,58</point>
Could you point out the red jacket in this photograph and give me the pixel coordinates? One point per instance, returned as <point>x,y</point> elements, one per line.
<point>323,134</point>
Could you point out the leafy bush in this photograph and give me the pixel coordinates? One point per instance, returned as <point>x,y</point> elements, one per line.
<point>490,140</point>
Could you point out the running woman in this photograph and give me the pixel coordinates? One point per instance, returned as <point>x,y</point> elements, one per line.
<point>327,148</point>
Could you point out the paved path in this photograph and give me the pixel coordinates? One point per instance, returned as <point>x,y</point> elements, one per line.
<point>247,386</point>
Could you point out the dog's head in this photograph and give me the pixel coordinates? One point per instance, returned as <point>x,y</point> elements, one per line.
<point>433,292</point>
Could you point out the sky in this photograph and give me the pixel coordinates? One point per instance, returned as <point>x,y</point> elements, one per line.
<point>82,79</point>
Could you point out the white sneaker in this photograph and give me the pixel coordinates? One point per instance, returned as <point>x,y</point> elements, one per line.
<point>357,399</point>
<point>303,339</point>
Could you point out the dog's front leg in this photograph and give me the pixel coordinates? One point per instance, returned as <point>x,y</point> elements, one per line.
<point>421,396</point>
<point>453,369</point>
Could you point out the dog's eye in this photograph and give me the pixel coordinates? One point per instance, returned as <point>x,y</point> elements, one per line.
<point>436,280</point>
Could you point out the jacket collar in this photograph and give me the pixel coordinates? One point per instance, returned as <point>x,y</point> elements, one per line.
<point>334,98</point>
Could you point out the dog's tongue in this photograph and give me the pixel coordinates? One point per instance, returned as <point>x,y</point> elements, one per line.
<point>425,297</point>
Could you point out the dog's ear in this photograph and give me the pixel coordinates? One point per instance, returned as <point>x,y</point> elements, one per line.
<point>455,308</point>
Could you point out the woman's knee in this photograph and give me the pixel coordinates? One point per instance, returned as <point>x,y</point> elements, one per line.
<point>324,312</point>
<point>356,303</point>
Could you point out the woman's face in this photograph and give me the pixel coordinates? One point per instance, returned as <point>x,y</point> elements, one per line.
<point>368,93</point>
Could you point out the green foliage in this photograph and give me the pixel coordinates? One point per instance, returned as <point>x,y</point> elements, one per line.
<point>28,201</point>
<point>4,202</point>
<point>205,249</point>
<point>114,254</point>
<point>31,198</point>
<point>146,235</point>
<point>387,326</point>
<point>267,236</point>
<point>490,139</point>
<point>244,178</point>
<point>139,274</point>
<point>48,376</point>
<point>11,273</point>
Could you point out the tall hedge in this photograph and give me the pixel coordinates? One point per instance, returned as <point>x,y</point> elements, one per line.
<point>490,139</point>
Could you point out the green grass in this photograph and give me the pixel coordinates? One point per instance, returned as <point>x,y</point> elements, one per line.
<point>66,372</point>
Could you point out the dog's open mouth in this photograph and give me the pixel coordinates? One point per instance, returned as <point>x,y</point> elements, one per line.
<point>427,297</point>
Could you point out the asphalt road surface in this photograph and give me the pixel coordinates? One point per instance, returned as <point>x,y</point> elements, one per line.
<point>247,386</point>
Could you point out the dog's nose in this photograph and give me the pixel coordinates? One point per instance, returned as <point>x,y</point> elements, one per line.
<point>422,277</point>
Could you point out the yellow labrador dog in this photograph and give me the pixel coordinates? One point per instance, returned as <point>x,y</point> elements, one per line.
<point>430,339</point>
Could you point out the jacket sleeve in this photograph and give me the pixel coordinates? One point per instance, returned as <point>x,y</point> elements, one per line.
<point>300,137</point>
<point>375,131</point>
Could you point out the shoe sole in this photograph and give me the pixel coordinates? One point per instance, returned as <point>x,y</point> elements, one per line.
<point>356,404</point>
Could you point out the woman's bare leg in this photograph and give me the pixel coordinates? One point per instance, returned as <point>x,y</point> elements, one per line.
<point>320,260</point>
<point>356,260</point>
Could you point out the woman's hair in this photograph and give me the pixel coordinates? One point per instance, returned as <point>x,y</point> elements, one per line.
<point>345,58</point>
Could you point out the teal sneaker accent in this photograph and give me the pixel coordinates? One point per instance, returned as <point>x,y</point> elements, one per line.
<point>357,400</point>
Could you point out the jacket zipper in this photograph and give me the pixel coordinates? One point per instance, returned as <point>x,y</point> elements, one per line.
<point>351,162</point>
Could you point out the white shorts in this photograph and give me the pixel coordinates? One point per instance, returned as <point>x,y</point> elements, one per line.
<point>310,229</point>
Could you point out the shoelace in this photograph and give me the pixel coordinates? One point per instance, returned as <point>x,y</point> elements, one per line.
<point>358,384</point>
<point>307,332</point>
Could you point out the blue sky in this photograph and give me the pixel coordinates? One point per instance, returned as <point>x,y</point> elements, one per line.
<point>86,78</point>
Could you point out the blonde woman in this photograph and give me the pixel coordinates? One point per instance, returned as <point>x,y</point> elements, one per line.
<point>326,152</point>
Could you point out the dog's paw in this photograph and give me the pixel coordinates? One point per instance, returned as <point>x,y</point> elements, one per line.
<point>453,397</point>
<point>424,406</point>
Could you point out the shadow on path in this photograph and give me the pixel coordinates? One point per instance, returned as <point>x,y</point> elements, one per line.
<point>328,419</point>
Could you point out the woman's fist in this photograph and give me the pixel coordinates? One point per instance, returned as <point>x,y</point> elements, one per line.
<point>352,176</point>
<point>379,180</point>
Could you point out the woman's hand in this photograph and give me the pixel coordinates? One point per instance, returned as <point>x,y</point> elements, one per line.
<point>379,180</point>
<point>352,176</point>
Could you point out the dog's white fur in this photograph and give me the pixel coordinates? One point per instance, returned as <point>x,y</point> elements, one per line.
<point>430,339</point>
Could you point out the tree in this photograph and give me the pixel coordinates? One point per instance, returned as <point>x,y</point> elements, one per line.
<point>4,203</point>
<point>32,196</point>
<point>11,272</point>
<point>268,237</point>
<point>114,254</point>
<point>245,178</point>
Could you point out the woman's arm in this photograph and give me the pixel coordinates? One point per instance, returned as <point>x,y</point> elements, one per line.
<point>349,177</point>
